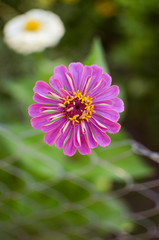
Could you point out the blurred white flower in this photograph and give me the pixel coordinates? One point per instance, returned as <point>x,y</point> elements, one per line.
<point>33,31</point>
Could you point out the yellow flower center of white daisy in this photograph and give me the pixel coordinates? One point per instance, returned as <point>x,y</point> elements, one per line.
<point>78,107</point>
<point>32,25</point>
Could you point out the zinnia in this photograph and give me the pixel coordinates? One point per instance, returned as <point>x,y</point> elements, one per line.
<point>33,31</point>
<point>78,109</point>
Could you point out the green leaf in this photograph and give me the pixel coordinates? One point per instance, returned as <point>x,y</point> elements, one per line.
<point>115,162</point>
<point>109,214</point>
<point>97,56</point>
<point>74,191</point>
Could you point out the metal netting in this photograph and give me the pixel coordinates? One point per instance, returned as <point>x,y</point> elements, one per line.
<point>111,194</point>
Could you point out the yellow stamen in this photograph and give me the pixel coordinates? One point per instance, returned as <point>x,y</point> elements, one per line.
<point>67,100</point>
<point>32,25</point>
<point>73,119</point>
<point>86,100</point>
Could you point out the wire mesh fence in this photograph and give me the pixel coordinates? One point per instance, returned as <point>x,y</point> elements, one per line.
<point>110,194</point>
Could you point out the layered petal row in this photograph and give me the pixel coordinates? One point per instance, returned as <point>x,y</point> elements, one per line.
<point>78,109</point>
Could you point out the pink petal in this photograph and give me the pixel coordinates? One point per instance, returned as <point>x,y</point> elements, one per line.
<point>110,93</point>
<point>107,113</point>
<point>38,122</point>
<point>56,82</point>
<point>48,109</point>
<point>61,139</point>
<point>76,70</point>
<point>77,137</point>
<point>98,89</point>
<point>107,78</point>
<point>36,109</point>
<point>56,124</point>
<point>112,127</point>
<point>102,127</point>
<point>102,138</point>
<point>86,85</point>
<point>90,138</point>
<point>70,148</point>
<point>106,103</point>
<point>71,82</point>
<point>51,136</point>
<point>43,88</point>
<point>87,71</point>
<point>96,76</point>
<point>64,93</point>
<point>115,104</point>
<point>62,71</point>
<point>83,148</point>
<point>41,99</point>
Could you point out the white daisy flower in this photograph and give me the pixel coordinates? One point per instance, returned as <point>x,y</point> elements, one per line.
<point>33,31</point>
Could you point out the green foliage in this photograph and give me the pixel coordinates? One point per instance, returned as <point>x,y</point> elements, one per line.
<point>59,195</point>
<point>44,194</point>
<point>63,192</point>
<point>97,56</point>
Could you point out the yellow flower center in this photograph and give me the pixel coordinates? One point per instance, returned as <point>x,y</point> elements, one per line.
<point>78,107</point>
<point>32,25</point>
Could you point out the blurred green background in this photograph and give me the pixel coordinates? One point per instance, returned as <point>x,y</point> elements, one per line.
<point>45,195</point>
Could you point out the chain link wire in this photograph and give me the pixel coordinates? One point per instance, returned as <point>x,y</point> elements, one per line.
<point>24,216</point>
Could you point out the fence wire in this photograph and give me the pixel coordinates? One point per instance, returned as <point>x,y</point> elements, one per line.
<point>70,203</point>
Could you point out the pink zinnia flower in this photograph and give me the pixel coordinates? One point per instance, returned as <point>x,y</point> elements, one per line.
<point>78,109</point>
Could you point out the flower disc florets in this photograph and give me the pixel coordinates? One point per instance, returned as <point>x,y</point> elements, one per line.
<point>78,109</point>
